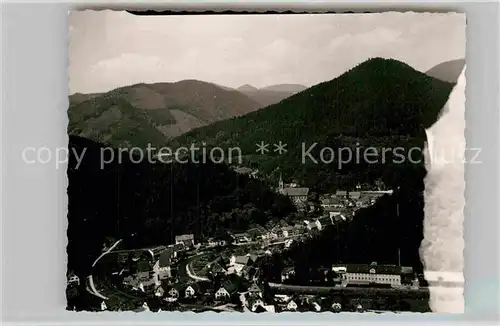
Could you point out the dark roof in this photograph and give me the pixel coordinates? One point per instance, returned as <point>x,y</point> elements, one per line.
<point>157,250</point>
<point>183,237</point>
<point>179,287</point>
<point>354,194</point>
<point>260,309</point>
<point>250,271</point>
<point>331,201</point>
<point>243,260</point>
<point>254,288</point>
<point>229,286</point>
<point>240,235</point>
<point>225,255</point>
<point>332,209</point>
<point>252,298</point>
<point>378,269</point>
<point>216,268</point>
<point>143,266</point>
<point>166,257</point>
<point>243,170</point>
<point>338,218</point>
<point>255,232</point>
<point>296,191</point>
<point>325,220</point>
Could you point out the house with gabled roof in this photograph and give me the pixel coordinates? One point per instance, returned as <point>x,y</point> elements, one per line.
<point>291,305</point>
<point>269,308</point>
<point>288,243</point>
<point>156,251</point>
<point>355,195</point>
<point>159,292</point>
<point>226,289</point>
<point>240,238</point>
<point>313,225</point>
<point>144,270</point>
<point>73,279</point>
<point>332,202</point>
<point>192,290</point>
<point>323,222</point>
<point>254,302</point>
<point>176,290</point>
<point>185,239</point>
<point>239,262</point>
<point>162,267</point>
<point>255,290</point>
<point>287,273</point>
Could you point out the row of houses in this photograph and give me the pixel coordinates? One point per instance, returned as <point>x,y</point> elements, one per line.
<point>279,232</point>
<point>342,198</point>
<point>223,292</point>
<point>326,220</point>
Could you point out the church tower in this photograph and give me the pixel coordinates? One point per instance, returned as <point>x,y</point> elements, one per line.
<point>281,187</point>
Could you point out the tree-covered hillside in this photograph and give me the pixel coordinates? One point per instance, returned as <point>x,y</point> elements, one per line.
<point>151,113</point>
<point>380,103</point>
<point>148,204</point>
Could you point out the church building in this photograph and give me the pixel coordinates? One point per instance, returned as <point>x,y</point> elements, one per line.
<point>297,195</point>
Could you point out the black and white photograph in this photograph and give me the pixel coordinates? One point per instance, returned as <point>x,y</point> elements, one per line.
<point>266,162</point>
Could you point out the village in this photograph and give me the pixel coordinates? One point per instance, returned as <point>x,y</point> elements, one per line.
<point>223,274</point>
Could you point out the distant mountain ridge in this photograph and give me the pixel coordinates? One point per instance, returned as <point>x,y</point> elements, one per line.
<point>289,88</point>
<point>247,88</point>
<point>447,71</point>
<point>270,94</point>
<point>141,113</point>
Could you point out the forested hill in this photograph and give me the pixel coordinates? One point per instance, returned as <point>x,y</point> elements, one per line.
<point>381,103</point>
<point>142,114</point>
<point>148,204</point>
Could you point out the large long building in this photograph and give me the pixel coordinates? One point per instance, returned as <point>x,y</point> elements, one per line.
<point>372,273</point>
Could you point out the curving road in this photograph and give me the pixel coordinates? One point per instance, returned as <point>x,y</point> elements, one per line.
<point>91,279</point>
<point>193,276</point>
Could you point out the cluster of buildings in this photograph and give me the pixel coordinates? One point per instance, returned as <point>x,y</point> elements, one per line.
<point>155,274</point>
<point>152,269</point>
<point>282,232</point>
<point>337,208</point>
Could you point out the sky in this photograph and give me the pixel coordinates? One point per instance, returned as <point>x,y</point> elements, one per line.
<point>110,49</point>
